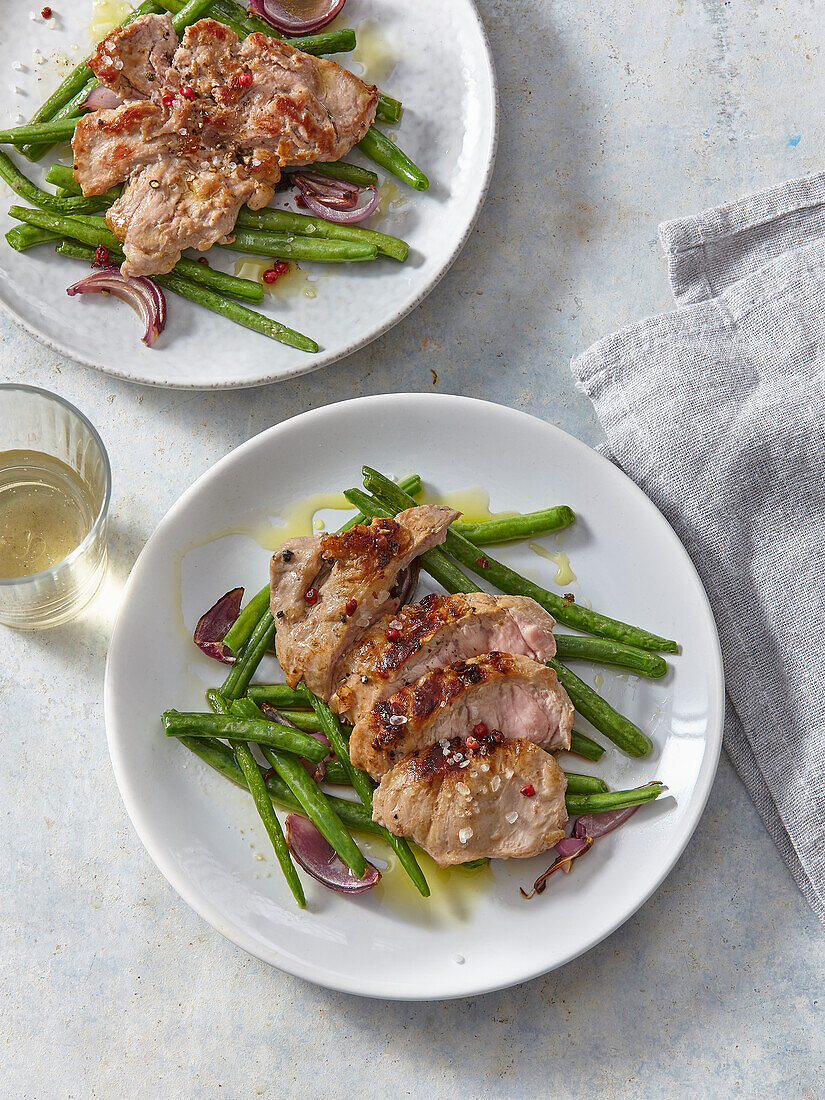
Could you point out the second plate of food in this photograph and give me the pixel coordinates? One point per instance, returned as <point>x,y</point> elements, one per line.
<point>408,50</point>
<point>476,932</point>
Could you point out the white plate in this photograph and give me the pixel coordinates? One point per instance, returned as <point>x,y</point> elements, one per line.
<point>451,134</point>
<point>204,834</point>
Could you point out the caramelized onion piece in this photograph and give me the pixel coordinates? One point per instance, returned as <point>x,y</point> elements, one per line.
<point>141,293</point>
<point>573,847</point>
<point>319,859</point>
<point>284,18</point>
<point>213,626</point>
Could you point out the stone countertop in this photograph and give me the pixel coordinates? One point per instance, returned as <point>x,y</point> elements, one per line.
<point>614,117</point>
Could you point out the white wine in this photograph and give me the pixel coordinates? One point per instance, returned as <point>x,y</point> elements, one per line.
<point>46,511</point>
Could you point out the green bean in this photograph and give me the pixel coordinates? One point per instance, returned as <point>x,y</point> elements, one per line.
<point>604,651</point>
<point>61,175</point>
<point>248,659</point>
<point>258,730</point>
<point>435,561</point>
<point>189,13</point>
<point>243,626</point>
<point>336,774</point>
<point>598,803</point>
<point>313,801</point>
<point>343,170</point>
<point>363,788</point>
<point>256,784</point>
<point>510,528</point>
<point>411,485</point>
<point>290,247</point>
<point>240,631</point>
<point>340,41</point>
<point>220,757</point>
<point>78,228</point>
<point>237,312</point>
<point>58,130</point>
<point>286,222</point>
<point>598,711</point>
<point>378,147</point>
<point>279,695</point>
<point>21,237</point>
<point>582,784</point>
<point>585,746</point>
<point>507,580</point>
<point>212,300</point>
<point>304,719</point>
<point>389,109</point>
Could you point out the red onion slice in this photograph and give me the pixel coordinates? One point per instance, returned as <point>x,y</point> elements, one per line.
<point>141,293</point>
<point>319,859</point>
<point>597,825</point>
<point>290,22</point>
<point>213,626</point>
<point>339,216</point>
<point>567,853</point>
<point>101,99</point>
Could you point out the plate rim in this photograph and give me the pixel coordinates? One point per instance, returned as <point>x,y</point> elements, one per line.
<point>366,988</point>
<point>323,359</point>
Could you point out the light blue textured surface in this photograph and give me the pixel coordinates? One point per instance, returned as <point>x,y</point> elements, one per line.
<point>614,118</point>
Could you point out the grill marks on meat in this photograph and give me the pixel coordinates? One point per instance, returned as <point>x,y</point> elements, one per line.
<point>460,804</point>
<point>438,630</point>
<point>506,692</point>
<point>191,165</point>
<point>362,564</point>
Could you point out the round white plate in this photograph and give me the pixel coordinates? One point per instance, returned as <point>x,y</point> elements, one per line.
<point>204,834</point>
<point>443,74</point>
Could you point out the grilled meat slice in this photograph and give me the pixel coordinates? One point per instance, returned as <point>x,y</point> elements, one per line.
<point>438,630</point>
<point>214,120</point>
<point>134,61</point>
<point>460,804</point>
<point>502,691</point>
<point>354,577</point>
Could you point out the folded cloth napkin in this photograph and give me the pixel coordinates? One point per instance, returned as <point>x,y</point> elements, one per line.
<point>717,410</point>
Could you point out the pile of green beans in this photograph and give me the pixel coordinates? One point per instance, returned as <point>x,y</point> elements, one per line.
<point>240,721</point>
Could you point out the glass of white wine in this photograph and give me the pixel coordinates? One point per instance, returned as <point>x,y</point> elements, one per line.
<point>55,485</point>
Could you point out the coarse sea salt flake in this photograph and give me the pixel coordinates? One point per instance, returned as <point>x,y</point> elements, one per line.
<point>398,720</point>
<point>495,783</point>
<point>462,788</point>
<point>17,66</point>
<point>512,817</point>
<point>465,834</point>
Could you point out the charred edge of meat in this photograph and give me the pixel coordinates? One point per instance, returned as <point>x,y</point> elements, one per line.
<point>441,759</point>
<point>383,540</point>
<point>440,685</point>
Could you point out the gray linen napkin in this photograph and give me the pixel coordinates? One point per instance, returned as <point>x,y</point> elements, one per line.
<point>717,410</point>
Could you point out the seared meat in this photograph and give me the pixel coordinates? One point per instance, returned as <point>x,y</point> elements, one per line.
<point>353,576</point>
<point>502,691</point>
<point>461,803</point>
<point>213,120</point>
<point>438,631</point>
